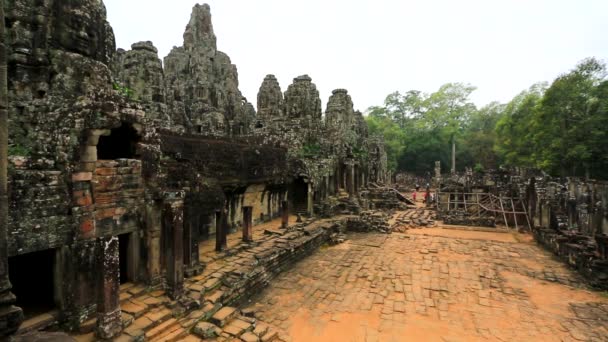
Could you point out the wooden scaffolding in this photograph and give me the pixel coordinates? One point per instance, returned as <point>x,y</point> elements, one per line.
<point>509,210</point>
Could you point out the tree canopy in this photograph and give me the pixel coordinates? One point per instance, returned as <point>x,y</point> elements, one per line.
<point>561,127</point>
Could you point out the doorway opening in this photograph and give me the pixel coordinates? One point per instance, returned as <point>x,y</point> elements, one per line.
<point>33,278</point>
<point>121,143</point>
<point>300,196</point>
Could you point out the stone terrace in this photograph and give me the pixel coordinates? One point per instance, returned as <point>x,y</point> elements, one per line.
<point>433,285</point>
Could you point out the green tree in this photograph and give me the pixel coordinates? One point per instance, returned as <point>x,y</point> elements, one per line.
<point>449,109</point>
<point>568,112</point>
<point>480,136</point>
<point>516,127</point>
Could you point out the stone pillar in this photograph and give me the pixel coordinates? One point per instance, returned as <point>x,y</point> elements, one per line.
<point>10,316</point>
<point>192,221</point>
<point>152,233</point>
<point>350,179</point>
<point>109,317</point>
<point>221,230</point>
<point>284,214</point>
<point>173,214</point>
<point>310,207</point>
<point>437,173</point>
<point>247,224</point>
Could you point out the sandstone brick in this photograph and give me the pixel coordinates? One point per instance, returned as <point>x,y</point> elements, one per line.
<point>82,176</point>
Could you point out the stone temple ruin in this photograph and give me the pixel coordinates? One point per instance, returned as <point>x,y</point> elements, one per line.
<point>124,182</point>
<point>120,166</point>
<point>568,217</point>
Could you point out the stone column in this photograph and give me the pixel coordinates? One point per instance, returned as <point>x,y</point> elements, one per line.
<point>10,316</point>
<point>310,206</point>
<point>192,221</point>
<point>284,214</point>
<point>109,318</point>
<point>221,230</point>
<point>437,173</point>
<point>153,222</point>
<point>453,170</point>
<point>350,179</point>
<point>174,221</point>
<point>247,224</point>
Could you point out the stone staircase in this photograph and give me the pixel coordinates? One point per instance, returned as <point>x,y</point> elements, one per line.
<point>228,279</point>
<point>144,310</point>
<point>229,323</point>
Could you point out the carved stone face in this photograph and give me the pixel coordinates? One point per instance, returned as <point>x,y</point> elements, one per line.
<point>78,27</point>
<point>27,27</point>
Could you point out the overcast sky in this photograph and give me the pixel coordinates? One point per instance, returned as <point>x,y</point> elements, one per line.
<point>375,47</point>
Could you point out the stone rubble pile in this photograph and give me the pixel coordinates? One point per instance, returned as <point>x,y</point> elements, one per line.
<point>369,221</point>
<point>385,198</point>
<point>413,218</point>
<point>230,323</point>
<point>463,218</point>
<point>341,204</point>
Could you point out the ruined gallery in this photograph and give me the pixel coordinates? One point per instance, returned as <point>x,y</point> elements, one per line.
<point>148,200</point>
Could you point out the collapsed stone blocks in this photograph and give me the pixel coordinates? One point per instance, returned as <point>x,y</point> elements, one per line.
<point>369,221</point>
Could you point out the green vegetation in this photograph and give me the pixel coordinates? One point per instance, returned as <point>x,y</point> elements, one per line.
<point>310,150</point>
<point>561,128</point>
<point>360,153</point>
<point>124,91</point>
<point>18,151</point>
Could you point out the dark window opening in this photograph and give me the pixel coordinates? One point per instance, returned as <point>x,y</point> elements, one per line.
<point>121,143</point>
<point>123,252</point>
<point>33,278</point>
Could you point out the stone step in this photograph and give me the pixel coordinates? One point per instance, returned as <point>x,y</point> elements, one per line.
<point>250,337</point>
<point>88,326</point>
<point>159,315</point>
<point>134,308</point>
<point>214,297</point>
<point>269,336</point>
<point>224,315</point>
<point>161,328</point>
<point>127,320</point>
<point>210,285</point>
<point>138,328</point>
<point>261,329</point>
<point>206,330</point>
<point>236,327</point>
<point>38,322</point>
<point>175,333</point>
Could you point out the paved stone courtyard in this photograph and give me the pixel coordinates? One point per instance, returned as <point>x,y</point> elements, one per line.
<point>433,285</point>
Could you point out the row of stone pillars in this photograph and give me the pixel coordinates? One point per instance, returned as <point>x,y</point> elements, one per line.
<point>221,225</point>
<point>109,319</point>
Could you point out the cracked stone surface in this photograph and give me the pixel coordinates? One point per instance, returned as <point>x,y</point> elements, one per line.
<point>433,286</point>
